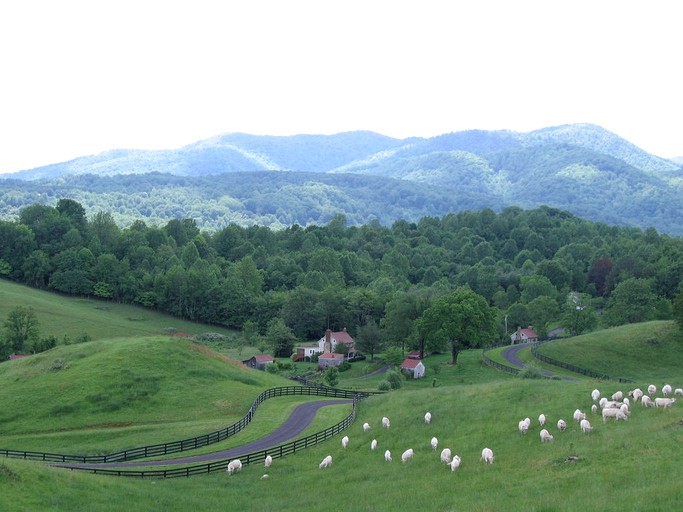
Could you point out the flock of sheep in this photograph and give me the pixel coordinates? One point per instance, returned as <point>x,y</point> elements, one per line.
<point>618,407</point>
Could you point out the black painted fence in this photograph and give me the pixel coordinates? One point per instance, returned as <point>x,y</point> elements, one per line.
<point>498,366</point>
<point>249,458</point>
<point>571,367</point>
<point>193,442</point>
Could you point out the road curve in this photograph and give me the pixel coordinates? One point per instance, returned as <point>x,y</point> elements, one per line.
<point>511,355</point>
<point>297,422</point>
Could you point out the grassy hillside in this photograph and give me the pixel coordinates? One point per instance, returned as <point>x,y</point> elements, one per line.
<point>72,317</point>
<point>650,350</point>
<point>621,466</point>
<point>109,395</point>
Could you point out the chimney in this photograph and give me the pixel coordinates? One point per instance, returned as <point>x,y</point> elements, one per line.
<point>328,341</point>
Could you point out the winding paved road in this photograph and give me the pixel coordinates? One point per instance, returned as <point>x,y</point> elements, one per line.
<point>511,355</point>
<point>297,422</point>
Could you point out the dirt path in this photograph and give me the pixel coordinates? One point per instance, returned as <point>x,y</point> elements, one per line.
<point>297,422</point>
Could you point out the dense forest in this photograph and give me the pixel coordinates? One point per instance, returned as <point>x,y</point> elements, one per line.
<point>542,267</point>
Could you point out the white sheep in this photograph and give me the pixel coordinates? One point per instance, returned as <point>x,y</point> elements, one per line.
<point>617,414</point>
<point>387,456</point>
<point>541,419</point>
<point>434,442</point>
<point>366,427</point>
<point>637,394</point>
<point>595,395</point>
<point>345,441</point>
<point>234,466</point>
<point>594,409</point>
<point>666,390</point>
<point>579,415</point>
<point>652,389</point>
<point>625,409</point>
<point>528,422</point>
<point>602,402</point>
<point>326,463</point>
<point>664,402</point>
<point>678,391</point>
<point>546,436</point>
<point>455,463</point>
<point>385,422</point>
<point>487,455</point>
<point>267,463</point>
<point>428,418</point>
<point>618,396</point>
<point>446,455</point>
<point>646,401</point>
<point>265,477</point>
<point>523,426</point>
<point>613,405</point>
<point>585,426</point>
<point>561,425</point>
<point>408,454</point>
<point>627,401</point>
<point>373,444</point>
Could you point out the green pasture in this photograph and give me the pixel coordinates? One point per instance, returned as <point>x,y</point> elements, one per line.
<point>645,351</point>
<point>60,316</point>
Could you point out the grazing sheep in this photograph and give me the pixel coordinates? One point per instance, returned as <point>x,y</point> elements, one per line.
<point>666,390</point>
<point>487,455</point>
<point>366,427</point>
<point>326,463</point>
<point>618,396</point>
<point>625,409</point>
<point>617,414</point>
<point>446,455</point>
<point>627,401</point>
<point>585,426</point>
<point>541,419</point>
<point>408,454</point>
<point>428,418</point>
<point>455,463</point>
<point>595,395</point>
<point>434,442</point>
<point>528,422</point>
<point>664,402</point>
<point>546,436</point>
<point>579,415</point>
<point>637,394</point>
<point>613,405</point>
<point>234,466</point>
<point>373,444</point>
<point>387,456</point>
<point>523,426</point>
<point>561,425</point>
<point>678,391</point>
<point>602,402</point>
<point>652,389</point>
<point>345,441</point>
<point>646,401</point>
<point>264,477</point>
<point>268,461</point>
<point>594,409</point>
<point>385,422</point>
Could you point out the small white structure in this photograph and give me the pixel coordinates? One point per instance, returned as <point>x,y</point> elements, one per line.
<point>413,367</point>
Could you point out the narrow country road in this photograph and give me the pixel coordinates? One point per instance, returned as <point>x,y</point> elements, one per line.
<point>297,422</point>
<point>511,355</point>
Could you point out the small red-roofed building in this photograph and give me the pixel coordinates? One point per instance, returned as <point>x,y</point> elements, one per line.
<point>414,367</point>
<point>259,362</point>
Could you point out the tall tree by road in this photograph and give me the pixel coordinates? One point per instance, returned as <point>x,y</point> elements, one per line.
<point>458,321</point>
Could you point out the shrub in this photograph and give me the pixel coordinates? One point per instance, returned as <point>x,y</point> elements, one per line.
<point>394,380</point>
<point>530,373</point>
<point>384,386</point>
<point>344,366</point>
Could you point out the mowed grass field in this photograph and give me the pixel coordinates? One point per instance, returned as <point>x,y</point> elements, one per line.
<point>121,392</point>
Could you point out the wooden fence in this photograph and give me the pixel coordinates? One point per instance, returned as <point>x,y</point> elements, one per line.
<point>193,442</point>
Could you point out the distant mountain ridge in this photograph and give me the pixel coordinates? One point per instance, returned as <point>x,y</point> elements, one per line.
<point>304,179</point>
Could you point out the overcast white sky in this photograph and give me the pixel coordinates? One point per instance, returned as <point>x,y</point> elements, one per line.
<point>81,77</point>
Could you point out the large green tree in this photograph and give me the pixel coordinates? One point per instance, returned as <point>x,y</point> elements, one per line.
<point>21,329</point>
<point>459,321</point>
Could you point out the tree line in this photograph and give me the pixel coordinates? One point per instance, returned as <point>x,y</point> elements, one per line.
<point>543,267</point>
